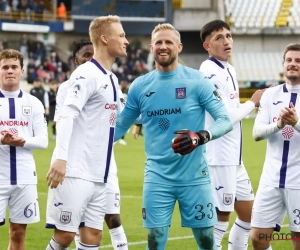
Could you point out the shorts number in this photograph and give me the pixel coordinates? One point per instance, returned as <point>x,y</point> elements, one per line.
<point>297,212</point>
<point>117,198</point>
<point>28,212</point>
<point>201,215</point>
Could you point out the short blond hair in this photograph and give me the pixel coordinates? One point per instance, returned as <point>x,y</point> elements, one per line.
<point>165,26</point>
<point>12,54</point>
<point>99,25</point>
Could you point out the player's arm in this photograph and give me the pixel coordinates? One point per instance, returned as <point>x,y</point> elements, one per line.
<point>212,102</point>
<point>236,115</point>
<point>262,128</point>
<point>78,93</point>
<point>39,140</point>
<point>130,112</point>
<point>209,98</point>
<point>60,97</point>
<point>46,101</point>
<point>121,104</point>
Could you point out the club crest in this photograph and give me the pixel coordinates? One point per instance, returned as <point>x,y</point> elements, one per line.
<point>180,93</point>
<point>227,199</point>
<point>65,217</point>
<point>26,110</point>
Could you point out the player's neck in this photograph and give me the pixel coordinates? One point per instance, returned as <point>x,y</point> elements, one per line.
<point>293,83</point>
<point>169,68</point>
<point>104,60</point>
<point>12,88</point>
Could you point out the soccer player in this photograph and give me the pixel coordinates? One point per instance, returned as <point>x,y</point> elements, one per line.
<point>231,184</point>
<point>279,187</point>
<point>172,99</point>
<point>23,128</point>
<point>83,52</point>
<point>85,132</point>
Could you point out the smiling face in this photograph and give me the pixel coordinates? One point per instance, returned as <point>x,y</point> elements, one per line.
<point>117,42</point>
<point>291,66</point>
<point>165,46</point>
<point>10,74</point>
<point>219,44</point>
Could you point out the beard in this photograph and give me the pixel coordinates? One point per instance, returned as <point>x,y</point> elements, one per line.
<point>165,63</point>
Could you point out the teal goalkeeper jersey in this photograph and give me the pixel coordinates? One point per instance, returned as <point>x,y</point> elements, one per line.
<point>170,101</point>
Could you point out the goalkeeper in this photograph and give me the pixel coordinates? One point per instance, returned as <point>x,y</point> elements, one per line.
<point>174,98</point>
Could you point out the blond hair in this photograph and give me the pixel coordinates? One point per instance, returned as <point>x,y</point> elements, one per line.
<point>99,25</point>
<point>165,26</point>
<point>12,53</point>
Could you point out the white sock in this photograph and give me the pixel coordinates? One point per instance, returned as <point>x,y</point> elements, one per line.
<point>82,246</point>
<point>269,248</point>
<point>54,245</point>
<point>77,239</point>
<point>239,235</point>
<point>219,231</point>
<point>118,238</point>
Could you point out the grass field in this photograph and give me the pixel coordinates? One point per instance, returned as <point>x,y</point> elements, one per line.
<point>130,161</point>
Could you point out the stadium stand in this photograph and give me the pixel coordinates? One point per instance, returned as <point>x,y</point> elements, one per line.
<point>120,8</point>
<point>257,66</point>
<point>261,14</point>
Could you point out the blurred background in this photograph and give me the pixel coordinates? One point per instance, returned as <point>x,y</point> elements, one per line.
<point>44,31</point>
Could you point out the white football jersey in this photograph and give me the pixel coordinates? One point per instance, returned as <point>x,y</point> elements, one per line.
<point>94,92</point>
<point>282,162</point>
<point>226,150</point>
<point>23,115</point>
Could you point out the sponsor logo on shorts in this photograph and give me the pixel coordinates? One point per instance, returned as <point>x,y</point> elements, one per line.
<point>227,199</point>
<point>144,213</point>
<point>65,217</point>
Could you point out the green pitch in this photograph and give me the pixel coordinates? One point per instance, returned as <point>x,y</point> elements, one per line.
<point>130,161</point>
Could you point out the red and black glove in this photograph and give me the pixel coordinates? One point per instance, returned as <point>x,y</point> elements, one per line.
<point>187,141</point>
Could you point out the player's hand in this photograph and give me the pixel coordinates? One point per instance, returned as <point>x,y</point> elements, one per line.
<point>11,140</point>
<point>136,131</point>
<point>289,115</point>
<point>56,174</point>
<point>255,98</point>
<point>187,140</point>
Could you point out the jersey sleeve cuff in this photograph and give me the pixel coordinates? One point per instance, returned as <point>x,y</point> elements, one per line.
<point>296,127</point>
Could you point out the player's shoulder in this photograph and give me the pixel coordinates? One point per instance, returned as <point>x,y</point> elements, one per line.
<point>190,73</point>
<point>144,79</point>
<point>274,90</point>
<point>34,101</point>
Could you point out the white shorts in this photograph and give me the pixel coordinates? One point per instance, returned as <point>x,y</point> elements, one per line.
<point>75,203</point>
<point>230,184</point>
<point>113,200</point>
<point>271,204</point>
<point>22,201</point>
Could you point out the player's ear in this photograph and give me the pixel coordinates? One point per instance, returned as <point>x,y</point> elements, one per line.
<point>104,39</point>
<point>180,47</point>
<point>206,46</point>
<point>76,61</point>
<point>151,48</point>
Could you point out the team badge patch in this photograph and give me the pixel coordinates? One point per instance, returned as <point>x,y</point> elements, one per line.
<point>180,93</point>
<point>65,217</point>
<point>217,95</point>
<point>144,213</point>
<point>26,110</point>
<point>227,199</point>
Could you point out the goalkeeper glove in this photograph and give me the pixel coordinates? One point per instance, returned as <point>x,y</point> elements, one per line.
<point>187,141</point>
